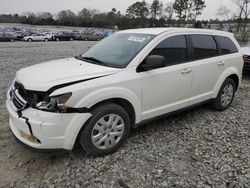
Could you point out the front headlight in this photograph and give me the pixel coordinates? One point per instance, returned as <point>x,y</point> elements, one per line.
<point>55,103</point>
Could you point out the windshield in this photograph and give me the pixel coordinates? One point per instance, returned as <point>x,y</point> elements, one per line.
<point>117,50</point>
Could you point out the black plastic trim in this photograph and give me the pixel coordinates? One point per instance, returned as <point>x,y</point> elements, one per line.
<point>150,120</point>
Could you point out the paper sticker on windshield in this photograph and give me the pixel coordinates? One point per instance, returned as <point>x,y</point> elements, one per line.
<point>137,39</point>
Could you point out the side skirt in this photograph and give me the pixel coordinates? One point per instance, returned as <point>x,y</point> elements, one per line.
<point>150,120</point>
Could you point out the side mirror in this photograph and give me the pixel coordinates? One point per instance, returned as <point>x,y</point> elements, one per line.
<point>153,62</point>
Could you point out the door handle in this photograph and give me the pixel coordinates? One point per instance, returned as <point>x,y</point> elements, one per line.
<point>221,63</point>
<point>186,71</point>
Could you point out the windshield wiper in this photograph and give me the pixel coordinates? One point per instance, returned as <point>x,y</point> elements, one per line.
<point>92,59</point>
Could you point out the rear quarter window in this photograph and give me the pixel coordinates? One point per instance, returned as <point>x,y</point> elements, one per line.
<point>226,44</point>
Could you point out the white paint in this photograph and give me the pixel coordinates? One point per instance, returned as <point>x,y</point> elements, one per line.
<point>151,93</point>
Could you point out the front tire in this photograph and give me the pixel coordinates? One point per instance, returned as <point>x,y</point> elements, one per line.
<point>225,96</point>
<point>29,40</point>
<point>106,130</point>
<point>46,40</point>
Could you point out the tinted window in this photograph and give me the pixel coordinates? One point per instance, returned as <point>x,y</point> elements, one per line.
<point>227,45</point>
<point>174,49</point>
<point>204,46</point>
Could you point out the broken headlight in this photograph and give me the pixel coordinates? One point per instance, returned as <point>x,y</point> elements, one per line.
<point>55,103</point>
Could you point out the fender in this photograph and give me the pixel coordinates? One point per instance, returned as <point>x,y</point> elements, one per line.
<point>228,72</point>
<point>110,93</point>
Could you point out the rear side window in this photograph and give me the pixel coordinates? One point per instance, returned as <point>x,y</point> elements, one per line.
<point>174,49</point>
<point>226,44</point>
<point>204,46</point>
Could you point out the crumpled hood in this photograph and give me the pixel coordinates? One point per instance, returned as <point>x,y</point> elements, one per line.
<point>42,77</point>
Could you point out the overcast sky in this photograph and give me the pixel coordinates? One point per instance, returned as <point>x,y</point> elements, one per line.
<point>54,6</point>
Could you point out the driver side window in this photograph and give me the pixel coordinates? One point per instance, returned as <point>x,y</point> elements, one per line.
<point>174,49</point>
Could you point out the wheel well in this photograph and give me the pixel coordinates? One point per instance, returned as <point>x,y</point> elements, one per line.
<point>235,78</point>
<point>124,104</point>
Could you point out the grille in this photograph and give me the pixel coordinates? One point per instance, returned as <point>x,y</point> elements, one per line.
<point>18,103</point>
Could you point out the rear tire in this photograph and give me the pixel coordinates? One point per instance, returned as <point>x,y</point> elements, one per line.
<point>57,39</point>
<point>225,96</point>
<point>46,40</point>
<point>11,40</point>
<point>106,130</point>
<point>71,39</point>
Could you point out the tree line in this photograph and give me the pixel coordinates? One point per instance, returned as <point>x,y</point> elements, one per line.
<point>139,14</point>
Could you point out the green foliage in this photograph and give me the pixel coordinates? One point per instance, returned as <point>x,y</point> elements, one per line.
<point>188,9</point>
<point>138,10</point>
<point>156,9</point>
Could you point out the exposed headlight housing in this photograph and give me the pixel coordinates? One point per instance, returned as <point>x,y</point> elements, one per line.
<point>55,103</point>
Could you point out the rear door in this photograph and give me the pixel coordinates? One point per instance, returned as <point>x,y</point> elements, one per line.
<point>207,66</point>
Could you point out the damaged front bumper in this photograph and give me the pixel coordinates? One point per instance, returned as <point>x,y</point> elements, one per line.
<point>46,130</point>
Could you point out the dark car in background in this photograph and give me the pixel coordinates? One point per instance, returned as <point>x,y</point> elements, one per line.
<point>20,34</point>
<point>246,57</point>
<point>92,36</point>
<point>7,37</point>
<point>64,36</point>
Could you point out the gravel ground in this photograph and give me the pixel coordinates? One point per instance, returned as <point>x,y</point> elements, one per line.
<point>196,148</point>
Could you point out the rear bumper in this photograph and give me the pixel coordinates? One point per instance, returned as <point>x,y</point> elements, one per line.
<point>45,130</point>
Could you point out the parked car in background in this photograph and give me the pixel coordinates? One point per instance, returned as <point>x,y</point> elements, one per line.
<point>77,34</point>
<point>7,37</point>
<point>246,57</point>
<point>21,34</point>
<point>38,37</point>
<point>105,34</point>
<point>130,78</point>
<point>90,35</point>
<point>64,36</point>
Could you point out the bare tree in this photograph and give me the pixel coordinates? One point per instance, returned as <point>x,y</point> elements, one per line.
<point>225,13</point>
<point>246,11</point>
<point>240,5</point>
<point>242,14</point>
<point>169,12</point>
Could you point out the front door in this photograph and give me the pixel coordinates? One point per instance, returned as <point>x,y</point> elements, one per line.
<point>167,89</point>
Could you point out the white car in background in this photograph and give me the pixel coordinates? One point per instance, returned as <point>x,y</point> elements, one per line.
<point>246,57</point>
<point>38,37</point>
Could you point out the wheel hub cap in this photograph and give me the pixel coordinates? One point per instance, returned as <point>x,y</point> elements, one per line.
<point>227,95</point>
<point>108,131</point>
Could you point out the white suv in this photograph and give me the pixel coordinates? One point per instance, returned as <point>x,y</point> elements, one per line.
<point>122,82</point>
